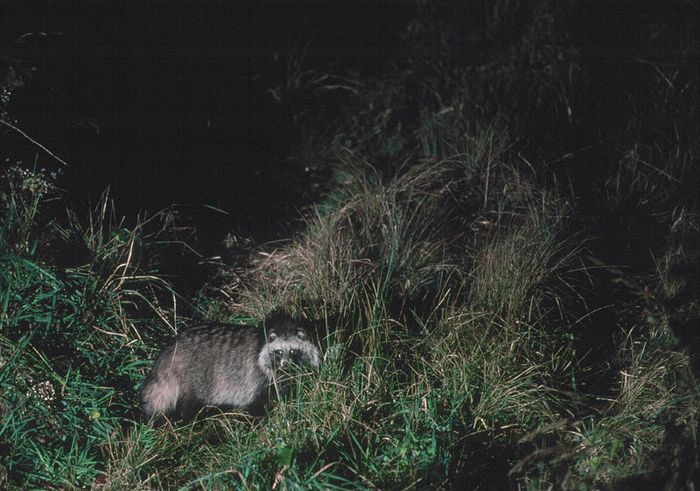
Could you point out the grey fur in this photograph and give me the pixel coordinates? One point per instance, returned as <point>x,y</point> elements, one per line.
<point>224,365</point>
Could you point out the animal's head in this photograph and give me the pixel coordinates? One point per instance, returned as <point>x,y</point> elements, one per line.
<point>286,345</point>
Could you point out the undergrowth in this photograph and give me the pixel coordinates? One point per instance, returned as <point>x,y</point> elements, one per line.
<point>71,336</point>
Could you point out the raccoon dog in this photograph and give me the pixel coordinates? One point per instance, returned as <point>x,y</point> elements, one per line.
<point>226,366</point>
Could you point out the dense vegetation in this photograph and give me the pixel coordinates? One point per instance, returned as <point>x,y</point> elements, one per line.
<point>502,263</point>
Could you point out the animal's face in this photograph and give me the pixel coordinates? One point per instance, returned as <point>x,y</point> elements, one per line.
<point>286,348</point>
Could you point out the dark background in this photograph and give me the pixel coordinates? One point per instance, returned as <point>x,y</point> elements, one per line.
<point>170,101</point>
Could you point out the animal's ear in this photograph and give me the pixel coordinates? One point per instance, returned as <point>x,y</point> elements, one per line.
<point>301,334</point>
<point>272,334</point>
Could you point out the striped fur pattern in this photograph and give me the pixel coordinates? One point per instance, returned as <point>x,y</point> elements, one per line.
<point>228,366</point>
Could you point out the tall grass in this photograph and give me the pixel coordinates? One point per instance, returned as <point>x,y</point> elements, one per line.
<point>369,239</point>
<point>70,337</point>
<point>432,332</point>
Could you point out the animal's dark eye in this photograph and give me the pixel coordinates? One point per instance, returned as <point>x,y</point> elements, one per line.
<point>292,352</point>
<point>279,352</point>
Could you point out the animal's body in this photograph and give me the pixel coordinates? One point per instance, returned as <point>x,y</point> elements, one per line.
<point>226,366</point>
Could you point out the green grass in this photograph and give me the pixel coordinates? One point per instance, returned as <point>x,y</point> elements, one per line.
<point>71,337</point>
